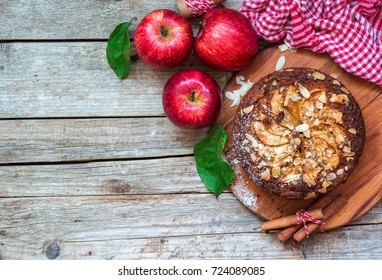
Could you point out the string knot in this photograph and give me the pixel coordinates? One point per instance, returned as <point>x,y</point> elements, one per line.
<point>199,7</point>
<point>302,218</point>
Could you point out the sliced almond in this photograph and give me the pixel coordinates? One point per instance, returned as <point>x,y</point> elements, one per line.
<point>266,175</point>
<point>319,105</point>
<point>307,133</point>
<point>236,100</point>
<point>280,63</point>
<point>322,98</point>
<point>345,90</point>
<point>326,184</point>
<point>334,75</point>
<point>308,154</point>
<point>322,190</point>
<point>283,47</point>
<point>308,179</point>
<point>318,76</point>
<point>339,98</point>
<point>287,159</point>
<point>331,176</point>
<point>230,95</point>
<point>304,91</point>
<point>346,168</point>
<point>290,126</point>
<point>251,139</point>
<point>295,98</point>
<point>297,141</point>
<point>352,131</point>
<point>346,149</point>
<point>274,83</point>
<point>262,164</point>
<point>340,172</point>
<point>248,109</point>
<point>276,171</point>
<point>336,82</point>
<point>302,127</point>
<point>349,158</point>
<point>292,177</point>
<point>349,154</point>
<point>253,157</point>
<point>315,90</point>
<point>310,195</point>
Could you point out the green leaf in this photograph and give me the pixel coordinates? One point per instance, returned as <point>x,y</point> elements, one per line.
<point>118,50</point>
<point>211,164</point>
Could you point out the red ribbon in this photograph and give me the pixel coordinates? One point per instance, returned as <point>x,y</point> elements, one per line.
<point>302,218</point>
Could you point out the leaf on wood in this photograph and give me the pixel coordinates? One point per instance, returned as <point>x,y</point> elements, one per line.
<point>211,164</point>
<point>118,50</point>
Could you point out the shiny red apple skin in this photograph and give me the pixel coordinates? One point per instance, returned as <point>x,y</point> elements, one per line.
<point>192,99</point>
<point>163,39</point>
<point>226,40</point>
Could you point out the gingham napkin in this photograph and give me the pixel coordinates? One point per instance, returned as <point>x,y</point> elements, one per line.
<point>349,31</point>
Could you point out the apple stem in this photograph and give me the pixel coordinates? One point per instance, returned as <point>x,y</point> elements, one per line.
<point>164,31</point>
<point>192,97</point>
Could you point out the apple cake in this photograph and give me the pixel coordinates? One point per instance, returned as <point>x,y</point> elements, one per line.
<point>298,133</point>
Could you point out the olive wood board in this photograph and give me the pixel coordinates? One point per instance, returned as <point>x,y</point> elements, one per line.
<point>363,188</point>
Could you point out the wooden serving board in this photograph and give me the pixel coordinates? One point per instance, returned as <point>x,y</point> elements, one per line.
<point>363,187</point>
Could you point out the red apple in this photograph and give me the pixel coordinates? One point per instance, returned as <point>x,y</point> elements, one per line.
<point>163,39</point>
<point>226,40</point>
<point>192,99</point>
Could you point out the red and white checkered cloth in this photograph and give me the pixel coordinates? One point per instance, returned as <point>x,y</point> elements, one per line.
<point>349,31</point>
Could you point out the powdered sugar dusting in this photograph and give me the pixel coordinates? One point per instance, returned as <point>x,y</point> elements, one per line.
<point>247,198</point>
<point>245,195</point>
<point>241,190</point>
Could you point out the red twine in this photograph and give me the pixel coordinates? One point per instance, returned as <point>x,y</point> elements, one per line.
<point>302,217</point>
<point>199,7</point>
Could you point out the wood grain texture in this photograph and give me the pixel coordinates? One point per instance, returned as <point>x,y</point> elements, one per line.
<point>58,140</point>
<point>73,79</point>
<point>363,187</point>
<point>88,19</point>
<point>149,176</point>
<point>180,226</point>
<point>139,197</point>
<point>336,244</point>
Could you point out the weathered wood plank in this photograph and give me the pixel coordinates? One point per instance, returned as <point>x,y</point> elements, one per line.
<point>57,140</point>
<point>342,243</point>
<point>132,226</point>
<point>154,176</point>
<point>137,177</point>
<point>95,19</point>
<point>73,79</point>
<point>35,222</point>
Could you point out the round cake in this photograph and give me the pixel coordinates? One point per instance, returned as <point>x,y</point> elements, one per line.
<point>298,133</point>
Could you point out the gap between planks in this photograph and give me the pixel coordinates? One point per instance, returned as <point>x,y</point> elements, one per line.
<point>70,162</point>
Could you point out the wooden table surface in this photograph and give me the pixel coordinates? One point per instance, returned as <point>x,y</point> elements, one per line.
<point>91,168</point>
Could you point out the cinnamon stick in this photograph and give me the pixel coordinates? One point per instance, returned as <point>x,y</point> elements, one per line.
<point>328,212</point>
<point>287,233</point>
<point>289,220</point>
